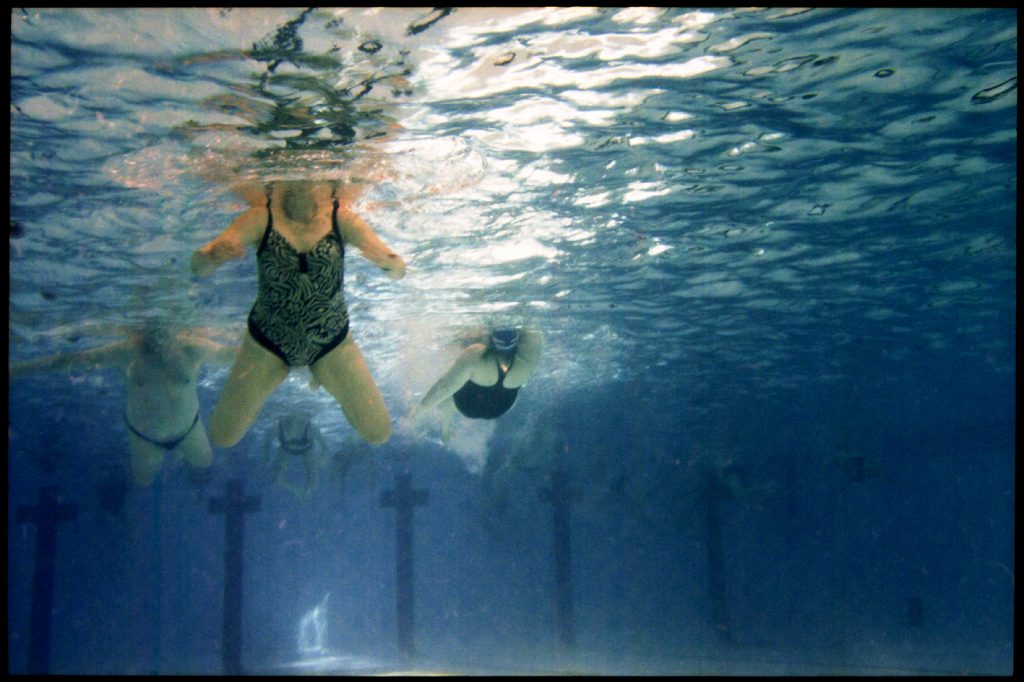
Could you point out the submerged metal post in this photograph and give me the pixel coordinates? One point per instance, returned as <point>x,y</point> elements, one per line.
<point>404,499</point>
<point>714,493</point>
<point>45,516</point>
<point>234,505</point>
<point>560,495</point>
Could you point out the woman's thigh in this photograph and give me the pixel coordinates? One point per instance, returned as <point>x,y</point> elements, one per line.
<point>345,375</point>
<point>254,376</point>
<point>195,449</point>
<point>146,460</point>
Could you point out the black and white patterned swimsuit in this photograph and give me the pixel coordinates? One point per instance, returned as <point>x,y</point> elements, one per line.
<point>300,313</point>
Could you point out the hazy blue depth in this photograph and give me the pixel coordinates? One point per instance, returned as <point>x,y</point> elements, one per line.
<point>775,248</point>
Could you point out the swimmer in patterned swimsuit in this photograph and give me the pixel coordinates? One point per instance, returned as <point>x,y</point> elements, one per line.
<point>300,230</point>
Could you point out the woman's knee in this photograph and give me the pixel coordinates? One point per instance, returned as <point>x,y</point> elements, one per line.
<point>223,440</point>
<point>201,457</point>
<point>223,432</point>
<point>376,433</point>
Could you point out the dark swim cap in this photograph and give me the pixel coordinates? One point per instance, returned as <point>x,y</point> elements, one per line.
<point>504,340</point>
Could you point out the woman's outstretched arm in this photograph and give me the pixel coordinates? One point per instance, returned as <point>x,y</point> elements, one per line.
<point>112,355</point>
<point>453,379</point>
<point>358,232</point>
<point>245,230</point>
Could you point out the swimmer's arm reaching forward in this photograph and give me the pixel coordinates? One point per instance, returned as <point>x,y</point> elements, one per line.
<point>210,350</point>
<point>113,355</point>
<point>245,230</point>
<point>453,380</point>
<point>356,231</point>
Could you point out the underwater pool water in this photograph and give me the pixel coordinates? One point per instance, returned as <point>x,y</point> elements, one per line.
<point>772,254</point>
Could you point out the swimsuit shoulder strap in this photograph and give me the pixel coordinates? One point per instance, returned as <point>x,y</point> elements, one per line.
<point>334,220</point>
<point>270,224</point>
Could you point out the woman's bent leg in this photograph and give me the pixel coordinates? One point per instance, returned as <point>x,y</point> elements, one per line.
<point>254,376</point>
<point>344,373</point>
<point>195,449</point>
<point>146,460</point>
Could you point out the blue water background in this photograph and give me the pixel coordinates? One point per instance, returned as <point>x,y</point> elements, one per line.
<point>776,241</point>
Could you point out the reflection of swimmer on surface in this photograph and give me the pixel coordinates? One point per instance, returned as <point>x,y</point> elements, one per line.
<point>485,379</point>
<point>299,230</point>
<point>295,438</point>
<point>161,368</point>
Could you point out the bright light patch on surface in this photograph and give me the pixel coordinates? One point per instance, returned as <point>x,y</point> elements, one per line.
<point>742,149</point>
<point>497,252</point>
<point>593,200</point>
<point>739,41</point>
<point>477,23</point>
<point>445,81</point>
<point>533,175</point>
<point>569,14</point>
<point>589,98</point>
<point>638,15</point>
<point>667,138</point>
<point>641,191</point>
<point>695,19</point>
<point>612,47</point>
<point>535,138</point>
<point>536,109</point>
<point>688,69</point>
<point>677,116</point>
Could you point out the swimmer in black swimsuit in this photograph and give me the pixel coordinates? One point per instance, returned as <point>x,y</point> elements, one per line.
<point>485,379</point>
<point>490,402</point>
<point>161,368</point>
<point>300,230</point>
